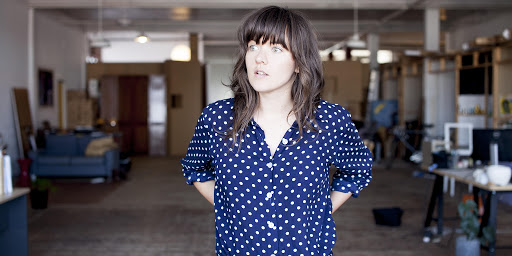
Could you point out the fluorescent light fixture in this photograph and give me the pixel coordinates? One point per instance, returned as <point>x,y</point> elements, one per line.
<point>142,38</point>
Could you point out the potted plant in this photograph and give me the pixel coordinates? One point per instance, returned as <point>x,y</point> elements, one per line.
<point>39,193</point>
<point>469,244</point>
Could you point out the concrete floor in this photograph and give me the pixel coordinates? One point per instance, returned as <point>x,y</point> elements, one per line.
<point>155,213</point>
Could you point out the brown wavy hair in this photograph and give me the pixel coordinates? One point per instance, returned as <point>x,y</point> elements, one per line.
<point>292,30</point>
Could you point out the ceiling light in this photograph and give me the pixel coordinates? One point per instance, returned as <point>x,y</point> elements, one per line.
<point>180,13</point>
<point>99,41</point>
<point>142,38</point>
<point>180,52</point>
<point>355,41</point>
<point>506,34</point>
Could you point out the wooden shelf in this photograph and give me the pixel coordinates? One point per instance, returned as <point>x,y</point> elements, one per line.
<point>508,61</point>
<point>505,117</point>
<point>460,114</point>
<point>476,66</point>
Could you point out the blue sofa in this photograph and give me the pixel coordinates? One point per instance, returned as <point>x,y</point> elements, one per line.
<point>64,156</point>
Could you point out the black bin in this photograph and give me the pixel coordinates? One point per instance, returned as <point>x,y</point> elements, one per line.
<point>388,216</point>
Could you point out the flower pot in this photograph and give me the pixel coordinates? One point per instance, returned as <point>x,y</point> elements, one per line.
<point>39,199</point>
<point>465,247</point>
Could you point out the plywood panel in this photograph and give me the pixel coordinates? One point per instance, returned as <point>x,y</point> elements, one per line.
<point>185,84</point>
<point>348,76</point>
<point>412,98</point>
<point>23,118</point>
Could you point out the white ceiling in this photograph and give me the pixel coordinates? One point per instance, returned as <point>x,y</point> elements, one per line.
<point>217,20</point>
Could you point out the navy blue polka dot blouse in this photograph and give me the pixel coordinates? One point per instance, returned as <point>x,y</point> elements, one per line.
<point>277,205</point>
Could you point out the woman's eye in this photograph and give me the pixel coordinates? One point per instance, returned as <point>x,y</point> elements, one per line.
<point>277,49</point>
<point>253,47</point>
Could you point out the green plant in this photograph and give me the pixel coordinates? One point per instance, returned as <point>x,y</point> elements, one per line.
<point>468,212</point>
<point>42,185</point>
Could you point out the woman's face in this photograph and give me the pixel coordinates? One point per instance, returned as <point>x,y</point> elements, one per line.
<point>270,67</point>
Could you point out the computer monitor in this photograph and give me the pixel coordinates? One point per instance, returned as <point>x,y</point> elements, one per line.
<point>483,137</point>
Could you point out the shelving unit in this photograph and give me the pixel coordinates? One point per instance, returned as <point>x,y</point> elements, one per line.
<point>502,85</point>
<point>484,87</point>
<point>473,91</point>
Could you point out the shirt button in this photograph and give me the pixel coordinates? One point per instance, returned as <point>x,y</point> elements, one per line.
<point>269,195</point>
<point>269,165</point>
<point>285,141</point>
<point>271,224</point>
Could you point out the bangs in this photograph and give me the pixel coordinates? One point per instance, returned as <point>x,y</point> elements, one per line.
<point>266,25</point>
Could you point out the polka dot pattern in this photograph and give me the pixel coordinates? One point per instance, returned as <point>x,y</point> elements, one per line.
<point>277,205</point>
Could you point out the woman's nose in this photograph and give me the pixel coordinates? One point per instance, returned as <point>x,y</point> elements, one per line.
<point>261,58</point>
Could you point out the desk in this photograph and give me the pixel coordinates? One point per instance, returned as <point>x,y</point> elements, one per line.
<point>13,223</point>
<point>465,176</point>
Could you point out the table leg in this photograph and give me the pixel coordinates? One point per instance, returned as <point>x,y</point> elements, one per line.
<point>493,207</point>
<point>440,206</point>
<point>437,192</point>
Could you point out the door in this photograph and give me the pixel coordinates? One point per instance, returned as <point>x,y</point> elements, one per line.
<point>133,114</point>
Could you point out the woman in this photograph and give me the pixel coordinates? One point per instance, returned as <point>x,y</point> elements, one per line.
<point>262,158</point>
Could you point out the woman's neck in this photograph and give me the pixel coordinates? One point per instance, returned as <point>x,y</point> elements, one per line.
<point>274,106</point>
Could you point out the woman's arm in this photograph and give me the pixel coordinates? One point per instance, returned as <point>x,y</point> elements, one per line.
<point>206,189</point>
<point>337,199</point>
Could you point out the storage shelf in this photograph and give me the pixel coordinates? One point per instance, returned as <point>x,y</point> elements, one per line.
<point>505,117</point>
<point>508,61</point>
<point>476,66</point>
<point>460,114</point>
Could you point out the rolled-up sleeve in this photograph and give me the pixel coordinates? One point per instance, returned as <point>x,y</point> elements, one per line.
<point>197,162</point>
<point>353,159</point>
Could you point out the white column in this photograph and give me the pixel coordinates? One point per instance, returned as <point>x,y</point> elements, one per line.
<point>373,47</point>
<point>32,87</point>
<point>430,90</point>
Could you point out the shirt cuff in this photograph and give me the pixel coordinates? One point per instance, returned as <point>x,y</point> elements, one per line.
<point>345,187</point>
<point>201,176</point>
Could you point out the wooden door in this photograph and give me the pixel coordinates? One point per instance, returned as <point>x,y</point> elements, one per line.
<point>133,114</point>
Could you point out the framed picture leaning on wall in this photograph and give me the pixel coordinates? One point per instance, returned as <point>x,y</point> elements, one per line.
<point>45,81</point>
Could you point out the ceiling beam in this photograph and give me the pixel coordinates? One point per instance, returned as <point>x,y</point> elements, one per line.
<point>302,4</point>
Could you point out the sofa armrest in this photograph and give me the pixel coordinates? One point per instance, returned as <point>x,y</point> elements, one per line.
<point>34,156</point>
<point>112,160</point>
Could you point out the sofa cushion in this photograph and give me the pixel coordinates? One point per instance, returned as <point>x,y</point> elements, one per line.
<point>52,160</point>
<point>61,145</point>
<point>98,147</point>
<point>86,160</point>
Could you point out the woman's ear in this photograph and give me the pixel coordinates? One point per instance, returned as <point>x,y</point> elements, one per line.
<point>297,70</point>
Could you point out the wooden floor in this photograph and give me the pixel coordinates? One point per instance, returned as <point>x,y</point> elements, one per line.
<point>155,213</point>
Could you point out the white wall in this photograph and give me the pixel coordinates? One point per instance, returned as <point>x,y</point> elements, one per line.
<point>129,51</point>
<point>63,50</point>
<point>218,74</point>
<point>219,63</point>
<point>13,65</point>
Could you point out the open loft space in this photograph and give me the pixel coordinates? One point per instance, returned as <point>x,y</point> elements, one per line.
<point>100,100</point>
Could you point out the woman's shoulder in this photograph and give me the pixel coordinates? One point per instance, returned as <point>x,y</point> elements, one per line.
<point>329,112</point>
<point>225,105</point>
<point>219,112</point>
